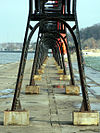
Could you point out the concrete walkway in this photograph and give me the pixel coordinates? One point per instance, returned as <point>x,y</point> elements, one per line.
<point>51,110</point>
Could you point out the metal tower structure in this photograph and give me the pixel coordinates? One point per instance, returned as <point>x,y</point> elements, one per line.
<point>52,18</point>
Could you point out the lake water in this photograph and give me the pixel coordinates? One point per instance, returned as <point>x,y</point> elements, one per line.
<point>93,62</point>
<point>10,57</point>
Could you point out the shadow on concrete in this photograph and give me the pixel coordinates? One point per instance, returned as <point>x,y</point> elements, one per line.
<point>1,123</point>
<point>53,122</point>
<point>66,123</point>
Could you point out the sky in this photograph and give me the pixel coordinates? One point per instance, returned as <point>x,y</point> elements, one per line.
<point>14,13</point>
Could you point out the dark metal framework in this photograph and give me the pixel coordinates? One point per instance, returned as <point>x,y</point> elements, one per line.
<point>52,16</point>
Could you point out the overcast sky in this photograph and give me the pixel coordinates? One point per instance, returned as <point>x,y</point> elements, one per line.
<point>13,17</point>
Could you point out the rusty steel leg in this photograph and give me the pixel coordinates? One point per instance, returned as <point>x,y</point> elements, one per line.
<point>44,58</point>
<point>79,42</point>
<point>86,102</point>
<point>32,82</point>
<point>59,58</point>
<point>43,55</point>
<point>69,62</point>
<point>83,82</point>
<point>63,60</point>
<point>37,62</point>
<point>40,59</point>
<point>54,54</point>
<point>16,100</point>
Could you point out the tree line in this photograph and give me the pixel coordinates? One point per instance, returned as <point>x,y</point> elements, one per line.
<point>91,32</point>
<point>90,37</point>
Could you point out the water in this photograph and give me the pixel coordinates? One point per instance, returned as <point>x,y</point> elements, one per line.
<point>11,57</point>
<point>93,62</point>
<point>6,93</point>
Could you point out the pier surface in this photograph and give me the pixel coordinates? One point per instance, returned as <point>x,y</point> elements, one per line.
<point>51,110</point>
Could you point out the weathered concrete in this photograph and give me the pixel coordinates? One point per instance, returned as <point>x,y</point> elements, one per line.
<point>58,67</point>
<point>44,64</point>
<point>20,118</point>
<point>65,77</point>
<point>51,110</point>
<point>40,71</point>
<point>60,71</point>
<point>32,89</point>
<point>85,118</point>
<point>42,67</point>
<point>72,90</point>
<point>37,77</point>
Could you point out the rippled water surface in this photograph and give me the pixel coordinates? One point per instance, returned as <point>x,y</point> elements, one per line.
<point>93,62</point>
<point>10,57</point>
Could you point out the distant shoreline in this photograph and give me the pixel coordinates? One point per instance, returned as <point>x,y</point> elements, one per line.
<point>92,52</point>
<point>15,51</point>
<point>19,52</point>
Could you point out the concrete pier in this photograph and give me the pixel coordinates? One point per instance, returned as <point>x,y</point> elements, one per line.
<point>50,110</point>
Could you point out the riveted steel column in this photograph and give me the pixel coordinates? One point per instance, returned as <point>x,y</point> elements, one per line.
<point>16,100</point>
<point>37,61</point>
<point>32,82</point>
<point>69,61</point>
<point>56,54</point>
<point>59,58</point>
<point>40,58</point>
<point>31,6</point>
<point>86,102</point>
<point>63,60</point>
